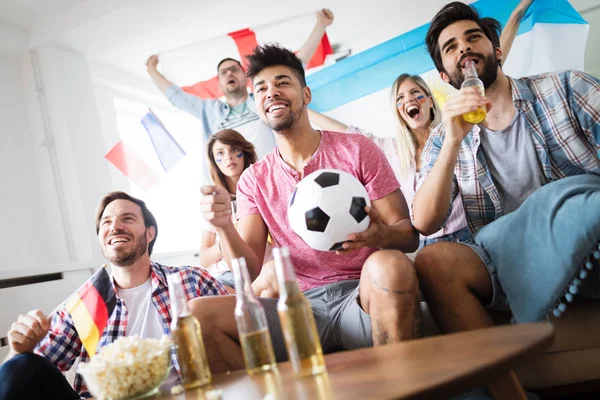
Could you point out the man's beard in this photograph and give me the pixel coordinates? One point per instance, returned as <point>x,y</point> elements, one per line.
<point>488,76</point>
<point>290,120</point>
<point>127,258</point>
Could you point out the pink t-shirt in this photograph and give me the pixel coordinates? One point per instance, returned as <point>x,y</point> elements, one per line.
<point>266,186</point>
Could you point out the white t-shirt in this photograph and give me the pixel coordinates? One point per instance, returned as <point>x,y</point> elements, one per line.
<point>143,318</point>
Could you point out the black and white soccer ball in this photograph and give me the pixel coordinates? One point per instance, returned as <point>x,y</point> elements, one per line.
<point>327,206</point>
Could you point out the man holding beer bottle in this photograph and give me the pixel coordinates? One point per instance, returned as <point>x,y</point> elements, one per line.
<point>537,129</point>
<point>367,293</point>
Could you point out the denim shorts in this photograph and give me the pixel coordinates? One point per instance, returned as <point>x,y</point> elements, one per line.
<point>499,301</point>
<point>226,278</point>
<point>340,320</point>
<point>463,235</point>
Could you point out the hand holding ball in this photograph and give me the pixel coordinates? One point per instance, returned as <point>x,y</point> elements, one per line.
<point>326,207</point>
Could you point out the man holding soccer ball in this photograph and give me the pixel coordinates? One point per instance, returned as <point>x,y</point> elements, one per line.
<point>366,293</point>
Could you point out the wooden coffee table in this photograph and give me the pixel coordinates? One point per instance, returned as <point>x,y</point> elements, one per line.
<point>436,367</point>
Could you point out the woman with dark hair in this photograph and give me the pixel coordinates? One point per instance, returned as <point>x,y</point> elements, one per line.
<point>229,154</point>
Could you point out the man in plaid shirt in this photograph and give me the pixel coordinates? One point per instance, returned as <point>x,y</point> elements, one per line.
<point>40,348</point>
<point>538,129</point>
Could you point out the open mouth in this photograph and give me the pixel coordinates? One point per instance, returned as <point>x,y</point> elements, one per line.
<point>413,111</point>
<point>231,81</point>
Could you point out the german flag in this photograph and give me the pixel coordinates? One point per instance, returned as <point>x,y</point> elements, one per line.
<point>90,307</point>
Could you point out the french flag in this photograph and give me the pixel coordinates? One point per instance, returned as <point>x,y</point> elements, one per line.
<point>137,167</point>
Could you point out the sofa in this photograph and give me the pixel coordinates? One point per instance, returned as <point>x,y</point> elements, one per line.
<point>574,358</point>
<point>573,361</point>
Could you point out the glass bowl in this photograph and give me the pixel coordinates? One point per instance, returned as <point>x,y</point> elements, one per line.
<point>129,368</point>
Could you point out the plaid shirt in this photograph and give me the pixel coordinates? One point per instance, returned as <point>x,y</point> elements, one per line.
<point>562,113</point>
<point>62,346</point>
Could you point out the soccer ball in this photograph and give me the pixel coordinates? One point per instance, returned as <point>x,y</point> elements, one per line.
<point>327,206</point>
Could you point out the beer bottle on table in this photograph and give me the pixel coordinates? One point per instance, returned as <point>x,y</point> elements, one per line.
<point>297,320</point>
<point>187,337</point>
<point>471,79</point>
<point>251,321</point>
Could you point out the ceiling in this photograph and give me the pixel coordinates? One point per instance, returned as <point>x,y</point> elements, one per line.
<point>29,13</point>
<point>123,33</point>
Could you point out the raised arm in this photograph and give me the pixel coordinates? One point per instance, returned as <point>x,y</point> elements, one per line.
<point>249,240</point>
<point>433,200</point>
<point>199,108</point>
<point>512,26</point>
<point>325,122</point>
<point>324,19</point>
<point>158,78</point>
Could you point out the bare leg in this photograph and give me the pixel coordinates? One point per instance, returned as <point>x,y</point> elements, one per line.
<point>219,332</point>
<point>455,283</point>
<point>265,285</point>
<point>389,292</point>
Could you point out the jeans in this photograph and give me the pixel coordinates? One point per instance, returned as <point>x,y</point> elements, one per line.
<point>226,278</point>
<point>463,236</point>
<point>29,376</point>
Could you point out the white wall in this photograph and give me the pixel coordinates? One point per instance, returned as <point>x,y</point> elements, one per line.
<point>48,203</point>
<point>28,236</point>
<point>74,126</point>
<point>25,230</point>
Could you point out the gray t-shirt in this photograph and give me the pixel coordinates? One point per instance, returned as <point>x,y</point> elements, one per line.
<point>513,162</point>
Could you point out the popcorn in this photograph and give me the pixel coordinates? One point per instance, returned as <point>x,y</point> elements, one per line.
<point>177,389</point>
<point>128,367</point>
<point>216,394</point>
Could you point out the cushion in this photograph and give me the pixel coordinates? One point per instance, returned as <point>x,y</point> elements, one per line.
<point>545,249</point>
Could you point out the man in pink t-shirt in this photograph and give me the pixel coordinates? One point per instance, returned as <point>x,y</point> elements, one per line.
<point>361,295</point>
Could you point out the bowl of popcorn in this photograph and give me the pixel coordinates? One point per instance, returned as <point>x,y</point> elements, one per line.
<point>129,368</point>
